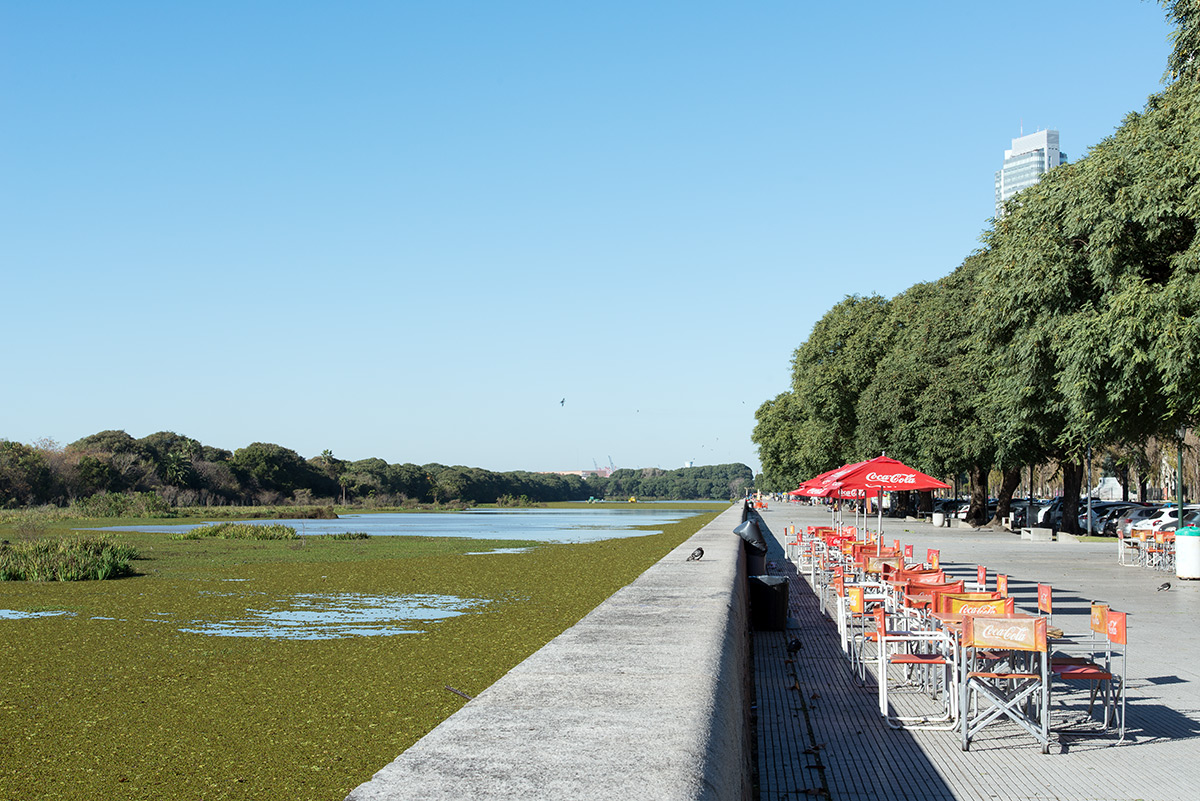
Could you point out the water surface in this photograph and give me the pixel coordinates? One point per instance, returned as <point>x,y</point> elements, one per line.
<point>540,525</point>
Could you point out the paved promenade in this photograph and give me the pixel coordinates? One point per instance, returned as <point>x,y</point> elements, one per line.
<point>820,733</point>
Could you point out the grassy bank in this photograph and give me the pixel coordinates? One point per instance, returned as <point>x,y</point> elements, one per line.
<point>112,700</point>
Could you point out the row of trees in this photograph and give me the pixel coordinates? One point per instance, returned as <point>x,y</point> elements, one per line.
<point>1074,327</point>
<point>184,472</point>
<point>719,481</point>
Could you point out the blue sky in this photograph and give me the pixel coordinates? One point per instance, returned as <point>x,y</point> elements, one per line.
<point>409,229</point>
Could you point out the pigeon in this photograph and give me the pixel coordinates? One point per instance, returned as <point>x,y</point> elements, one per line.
<point>697,555</point>
<point>793,646</point>
<point>1166,585</point>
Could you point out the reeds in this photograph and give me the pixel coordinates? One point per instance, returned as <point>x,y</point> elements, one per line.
<point>70,559</point>
<point>240,531</point>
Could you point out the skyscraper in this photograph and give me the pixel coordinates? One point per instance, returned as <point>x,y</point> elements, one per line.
<point>1030,157</point>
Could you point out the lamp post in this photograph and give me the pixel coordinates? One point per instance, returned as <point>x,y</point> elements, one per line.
<point>1089,489</point>
<point>1179,474</point>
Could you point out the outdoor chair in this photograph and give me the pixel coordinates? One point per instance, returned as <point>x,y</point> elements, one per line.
<point>925,658</point>
<point>1098,666</point>
<point>1017,689</point>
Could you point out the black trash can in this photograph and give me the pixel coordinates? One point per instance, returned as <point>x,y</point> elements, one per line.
<point>768,603</point>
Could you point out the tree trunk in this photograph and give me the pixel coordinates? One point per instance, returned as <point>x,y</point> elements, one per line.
<point>1008,485</point>
<point>1123,478</point>
<point>1072,472</point>
<point>977,513</point>
<point>926,502</point>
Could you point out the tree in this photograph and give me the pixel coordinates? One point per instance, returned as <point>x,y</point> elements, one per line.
<point>272,467</point>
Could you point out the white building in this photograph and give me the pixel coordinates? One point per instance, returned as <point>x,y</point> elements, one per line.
<point>1030,158</point>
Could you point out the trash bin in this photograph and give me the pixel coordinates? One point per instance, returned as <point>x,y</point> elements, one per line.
<point>1187,552</point>
<point>768,603</point>
<point>939,519</point>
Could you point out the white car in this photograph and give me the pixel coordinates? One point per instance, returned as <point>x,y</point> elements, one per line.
<point>1167,517</point>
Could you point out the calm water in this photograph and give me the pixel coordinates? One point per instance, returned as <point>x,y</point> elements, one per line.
<point>541,525</point>
<point>328,616</point>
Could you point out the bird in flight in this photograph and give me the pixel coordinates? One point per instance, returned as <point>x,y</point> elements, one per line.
<point>697,555</point>
<point>562,402</point>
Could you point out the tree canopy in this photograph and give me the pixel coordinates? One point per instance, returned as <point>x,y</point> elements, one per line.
<point>1076,324</point>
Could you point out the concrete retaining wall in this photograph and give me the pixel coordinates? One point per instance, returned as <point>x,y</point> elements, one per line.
<point>645,698</point>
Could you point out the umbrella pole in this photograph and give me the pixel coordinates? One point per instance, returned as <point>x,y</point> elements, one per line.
<point>880,502</point>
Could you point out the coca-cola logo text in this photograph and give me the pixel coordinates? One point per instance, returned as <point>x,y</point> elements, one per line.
<point>996,632</point>
<point>895,478</point>
<point>980,609</point>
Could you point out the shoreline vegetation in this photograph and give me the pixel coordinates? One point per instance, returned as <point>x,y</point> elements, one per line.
<point>112,474</point>
<point>139,695</point>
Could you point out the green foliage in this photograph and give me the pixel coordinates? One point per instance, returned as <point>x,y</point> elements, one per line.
<point>71,559</point>
<point>1077,325</point>
<point>716,482</point>
<point>346,535</point>
<point>272,720</point>
<point>240,531</point>
<point>123,504</point>
<point>507,500</point>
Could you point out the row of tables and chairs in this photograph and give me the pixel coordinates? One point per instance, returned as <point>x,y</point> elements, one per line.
<point>1147,548</point>
<point>957,655</point>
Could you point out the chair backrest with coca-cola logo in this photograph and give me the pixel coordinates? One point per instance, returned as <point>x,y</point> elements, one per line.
<point>854,600</point>
<point>1099,621</point>
<point>1002,584</point>
<point>1116,627</point>
<point>1045,599</point>
<point>1009,633</point>
<point>974,606</point>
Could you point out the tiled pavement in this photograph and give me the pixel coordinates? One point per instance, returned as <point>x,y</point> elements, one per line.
<point>820,734</point>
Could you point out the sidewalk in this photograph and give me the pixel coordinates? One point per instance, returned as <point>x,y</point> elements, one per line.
<point>820,733</point>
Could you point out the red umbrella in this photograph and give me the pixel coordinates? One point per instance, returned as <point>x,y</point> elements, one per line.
<point>882,474</point>
<point>821,487</point>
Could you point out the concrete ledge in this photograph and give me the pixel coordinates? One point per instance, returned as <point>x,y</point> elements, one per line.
<point>645,698</point>
<point>1037,534</point>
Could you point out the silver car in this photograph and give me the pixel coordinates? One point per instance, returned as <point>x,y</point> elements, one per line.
<point>1137,515</point>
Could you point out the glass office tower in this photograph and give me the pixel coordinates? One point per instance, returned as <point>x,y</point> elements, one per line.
<point>1030,157</point>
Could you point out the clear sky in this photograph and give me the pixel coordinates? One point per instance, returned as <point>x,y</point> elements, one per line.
<point>410,229</point>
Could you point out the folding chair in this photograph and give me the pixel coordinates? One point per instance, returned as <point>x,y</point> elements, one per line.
<point>1045,601</point>
<point>1018,689</point>
<point>927,655</point>
<point>1096,668</point>
<point>981,578</point>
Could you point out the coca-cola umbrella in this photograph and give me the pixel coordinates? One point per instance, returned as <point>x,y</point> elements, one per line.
<point>883,474</point>
<point>820,486</point>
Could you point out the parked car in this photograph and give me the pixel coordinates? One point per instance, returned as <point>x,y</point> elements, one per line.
<point>1136,517</point>
<point>1168,519</point>
<point>1110,522</point>
<point>1050,514</point>
<point>1018,510</point>
<point>1099,510</point>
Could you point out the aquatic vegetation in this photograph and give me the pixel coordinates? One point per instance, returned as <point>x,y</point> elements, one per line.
<point>240,531</point>
<point>123,704</point>
<point>68,559</point>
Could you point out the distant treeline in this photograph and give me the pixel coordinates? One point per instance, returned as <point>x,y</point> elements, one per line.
<point>180,471</point>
